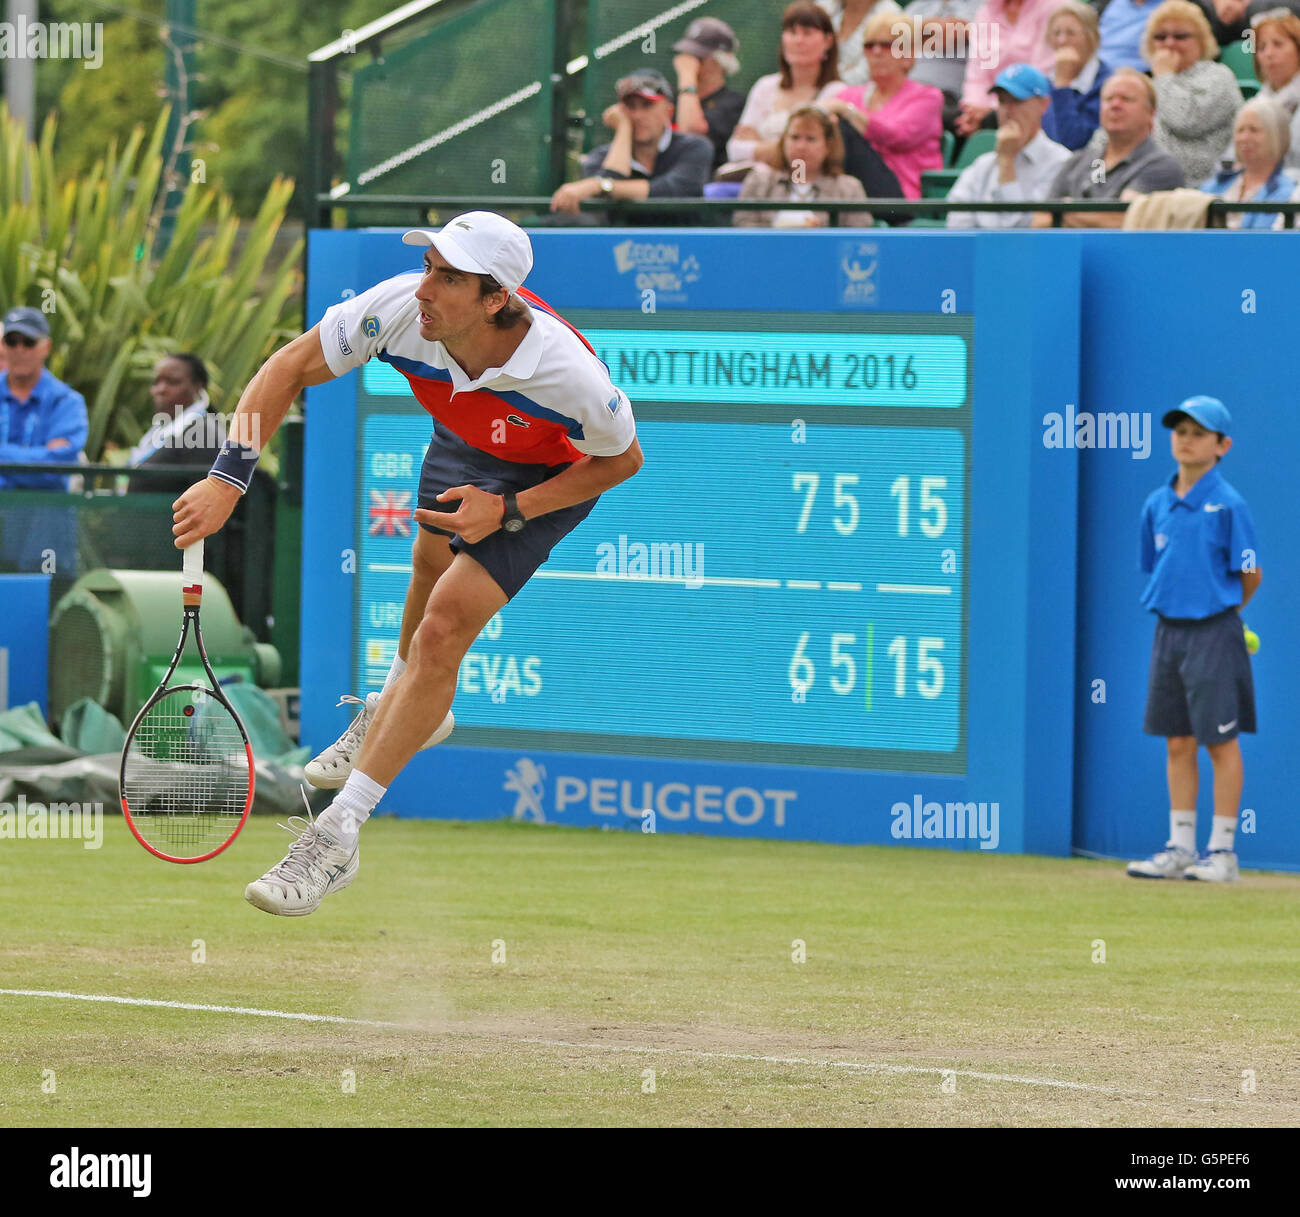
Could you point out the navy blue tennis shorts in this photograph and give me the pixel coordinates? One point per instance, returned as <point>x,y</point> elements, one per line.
<point>509,557</point>
<point>1200,681</point>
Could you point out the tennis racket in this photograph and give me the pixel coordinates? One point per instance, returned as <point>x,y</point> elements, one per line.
<point>187,774</point>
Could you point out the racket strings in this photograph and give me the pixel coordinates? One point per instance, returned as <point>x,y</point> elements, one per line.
<point>186,776</point>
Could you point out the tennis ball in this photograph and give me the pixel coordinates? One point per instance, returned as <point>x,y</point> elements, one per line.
<point>1252,640</point>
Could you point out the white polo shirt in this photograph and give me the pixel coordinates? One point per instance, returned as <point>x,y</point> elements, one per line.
<point>554,395</point>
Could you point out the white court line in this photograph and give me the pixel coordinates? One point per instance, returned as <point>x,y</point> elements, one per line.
<point>187,1005</point>
<point>804,585</point>
<point>914,589</point>
<point>699,1053</point>
<point>694,581</point>
<point>843,587</point>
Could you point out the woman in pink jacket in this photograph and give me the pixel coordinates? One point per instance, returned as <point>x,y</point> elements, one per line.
<point>1003,32</point>
<point>901,119</point>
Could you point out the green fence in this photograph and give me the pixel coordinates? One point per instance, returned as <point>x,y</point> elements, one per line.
<point>67,534</point>
<point>460,108</point>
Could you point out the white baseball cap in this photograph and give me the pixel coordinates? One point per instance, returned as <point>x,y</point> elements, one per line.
<point>482,243</point>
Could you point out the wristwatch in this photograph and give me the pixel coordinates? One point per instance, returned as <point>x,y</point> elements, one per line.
<point>512,519</point>
<point>693,89</point>
<point>606,185</point>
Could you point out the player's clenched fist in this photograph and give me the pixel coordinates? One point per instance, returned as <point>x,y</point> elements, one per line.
<point>202,510</point>
<point>478,516</point>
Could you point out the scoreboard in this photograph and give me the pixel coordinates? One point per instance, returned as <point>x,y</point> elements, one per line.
<point>843,583</point>
<point>785,580</point>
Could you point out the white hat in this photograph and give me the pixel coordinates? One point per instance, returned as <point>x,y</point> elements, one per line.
<point>482,243</point>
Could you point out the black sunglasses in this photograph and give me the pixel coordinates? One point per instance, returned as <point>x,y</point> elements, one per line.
<point>20,340</point>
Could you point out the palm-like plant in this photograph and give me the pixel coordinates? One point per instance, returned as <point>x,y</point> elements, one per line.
<point>86,251</point>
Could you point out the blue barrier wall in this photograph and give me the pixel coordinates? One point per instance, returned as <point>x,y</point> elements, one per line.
<point>1062,321</point>
<point>1164,317</point>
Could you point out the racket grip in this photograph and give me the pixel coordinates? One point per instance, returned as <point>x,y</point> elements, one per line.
<point>192,563</point>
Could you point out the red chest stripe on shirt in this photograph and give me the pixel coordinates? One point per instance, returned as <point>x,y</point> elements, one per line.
<point>509,425</point>
<point>538,302</point>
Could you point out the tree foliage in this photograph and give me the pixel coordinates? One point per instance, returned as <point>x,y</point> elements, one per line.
<point>85,249</point>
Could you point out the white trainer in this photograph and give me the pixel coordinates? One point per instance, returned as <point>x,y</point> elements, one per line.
<point>1170,863</point>
<point>315,866</point>
<point>333,767</point>
<point>1218,866</point>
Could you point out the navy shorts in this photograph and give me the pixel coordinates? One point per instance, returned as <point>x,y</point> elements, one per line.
<point>1200,681</point>
<point>509,557</point>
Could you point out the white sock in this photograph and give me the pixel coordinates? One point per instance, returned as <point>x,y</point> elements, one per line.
<point>1182,829</point>
<point>399,666</point>
<point>1221,835</point>
<point>351,808</point>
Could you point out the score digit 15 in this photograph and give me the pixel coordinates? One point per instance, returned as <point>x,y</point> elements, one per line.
<point>924,653</point>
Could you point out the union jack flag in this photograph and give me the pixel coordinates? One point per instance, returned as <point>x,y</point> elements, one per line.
<point>390,513</point>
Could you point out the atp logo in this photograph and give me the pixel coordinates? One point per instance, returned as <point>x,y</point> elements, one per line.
<point>370,326</point>
<point>858,262</point>
<point>462,224</point>
<point>527,781</point>
<point>518,422</point>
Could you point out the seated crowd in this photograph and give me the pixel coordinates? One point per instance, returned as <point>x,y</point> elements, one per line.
<point>1051,100</point>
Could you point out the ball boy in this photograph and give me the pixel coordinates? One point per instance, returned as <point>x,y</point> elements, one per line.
<point>1198,546</point>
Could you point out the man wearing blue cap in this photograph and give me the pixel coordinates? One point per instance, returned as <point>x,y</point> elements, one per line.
<point>41,419</point>
<point>1024,163</point>
<point>1198,546</point>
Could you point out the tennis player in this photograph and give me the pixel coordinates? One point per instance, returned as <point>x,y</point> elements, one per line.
<point>528,431</point>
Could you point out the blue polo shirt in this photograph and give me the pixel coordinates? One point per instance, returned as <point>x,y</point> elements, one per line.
<point>1121,27</point>
<point>53,411</point>
<point>1195,547</point>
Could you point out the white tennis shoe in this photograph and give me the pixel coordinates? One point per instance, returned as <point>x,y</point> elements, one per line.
<point>315,866</point>
<point>1169,863</point>
<point>1218,866</point>
<point>332,768</point>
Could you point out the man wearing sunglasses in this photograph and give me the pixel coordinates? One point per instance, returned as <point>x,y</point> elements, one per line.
<point>42,420</point>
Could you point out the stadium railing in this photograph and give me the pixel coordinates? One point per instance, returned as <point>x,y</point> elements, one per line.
<point>418,207</point>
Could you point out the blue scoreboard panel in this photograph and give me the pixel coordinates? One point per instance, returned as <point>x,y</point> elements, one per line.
<point>785,580</point>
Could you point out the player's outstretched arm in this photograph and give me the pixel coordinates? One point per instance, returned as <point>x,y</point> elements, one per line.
<point>206,506</point>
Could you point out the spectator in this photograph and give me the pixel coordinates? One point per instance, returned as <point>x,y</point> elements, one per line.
<point>812,156</point>
<point>1261,138</point>
<point>1080,73</point>
<point>1013,33</point>
<point>646,158</point>
<point>1023,164</point>
<point>1121,159</point>
<point>901,119</point>
<point>807,59</point>
<point>945,38</point>
<point>180,390</point>
<point>42,420</point>
<point>1198,98</point>
<point>849,20</point>
<point>703,61</point>
<point>1122,26</point>
<point>1277,64</point>
<point>1229,19</point>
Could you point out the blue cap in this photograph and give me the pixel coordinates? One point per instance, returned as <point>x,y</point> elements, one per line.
<point>1023,80</point>
<point>1210,412</point>
<point>27,321</point>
